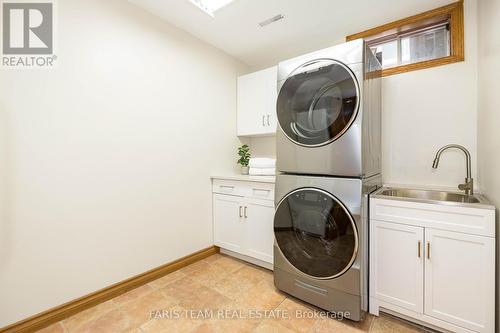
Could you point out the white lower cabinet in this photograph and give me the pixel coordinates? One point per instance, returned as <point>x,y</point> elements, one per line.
<point>258,229</point>
<point>228,212</point>
<point>422,271</point>
<point>459,272</point>
<point>244,223</point>
<point>396,258</point>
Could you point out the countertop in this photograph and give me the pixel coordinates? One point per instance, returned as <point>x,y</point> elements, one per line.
<point>246,178</point>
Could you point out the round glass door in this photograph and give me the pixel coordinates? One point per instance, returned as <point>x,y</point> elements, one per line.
<point>316,233</point>
<point>318,102</point>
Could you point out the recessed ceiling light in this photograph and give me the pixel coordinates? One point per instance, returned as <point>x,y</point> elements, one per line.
<point>210,6</point>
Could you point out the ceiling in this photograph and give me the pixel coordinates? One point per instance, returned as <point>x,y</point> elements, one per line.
<point>308,24</point>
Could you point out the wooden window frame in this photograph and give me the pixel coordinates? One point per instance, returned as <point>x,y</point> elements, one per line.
<point>454,12</point>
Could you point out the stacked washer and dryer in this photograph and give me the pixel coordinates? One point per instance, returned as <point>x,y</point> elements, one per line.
<point>329,161</point>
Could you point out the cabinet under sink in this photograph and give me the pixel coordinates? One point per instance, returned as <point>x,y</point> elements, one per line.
<point>432,262</point>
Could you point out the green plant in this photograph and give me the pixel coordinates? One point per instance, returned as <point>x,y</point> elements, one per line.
<point>244,154</point>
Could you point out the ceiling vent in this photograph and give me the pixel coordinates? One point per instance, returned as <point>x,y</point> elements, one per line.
<point>271,20</point>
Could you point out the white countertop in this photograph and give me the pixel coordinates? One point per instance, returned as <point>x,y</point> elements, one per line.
<point>246,178</point>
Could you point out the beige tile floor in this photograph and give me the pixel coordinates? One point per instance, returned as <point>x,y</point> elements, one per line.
<point>225,294</point>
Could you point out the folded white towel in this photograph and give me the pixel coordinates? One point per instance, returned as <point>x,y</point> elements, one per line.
<point>262,171</point>
<point>262,162</point>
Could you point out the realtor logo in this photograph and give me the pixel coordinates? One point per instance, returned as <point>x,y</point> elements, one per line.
<point>28,34</point>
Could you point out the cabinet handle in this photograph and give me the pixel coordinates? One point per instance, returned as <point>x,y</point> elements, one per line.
<point>226,187</point>
<point>268,123</point>
<point>240,212</point>
<point>263,120</point>
<point>419,248</point>
<point>261,192</point>
<point>428,250</point>
<point>245,212</point>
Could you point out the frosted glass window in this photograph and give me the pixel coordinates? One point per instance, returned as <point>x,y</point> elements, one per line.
<point>426,45</point>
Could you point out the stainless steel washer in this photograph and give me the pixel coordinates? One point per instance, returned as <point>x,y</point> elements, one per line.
<point>320,251</point>
<point>328,111</point>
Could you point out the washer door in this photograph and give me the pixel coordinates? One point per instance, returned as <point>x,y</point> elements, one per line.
<point>316,233</point>
<point>318,102</point>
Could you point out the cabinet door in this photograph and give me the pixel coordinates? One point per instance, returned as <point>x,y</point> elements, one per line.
<point>459,279</point>
<point>228,222</point>
<point>256,102</point>
<point>396,267</point>
<point>272,96</point>
<point>258,231</point>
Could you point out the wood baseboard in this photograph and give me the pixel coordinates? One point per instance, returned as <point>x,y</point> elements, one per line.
<point>68,309</point>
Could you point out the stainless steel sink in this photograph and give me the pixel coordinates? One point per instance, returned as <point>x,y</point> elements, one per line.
<point>431,196</point>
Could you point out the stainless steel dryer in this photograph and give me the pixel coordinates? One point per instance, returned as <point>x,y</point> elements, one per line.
<point>328,111</point>
<point>320,250</point>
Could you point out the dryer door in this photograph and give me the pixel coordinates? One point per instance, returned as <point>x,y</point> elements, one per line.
<point>316,233</point>
<point>318,102</point>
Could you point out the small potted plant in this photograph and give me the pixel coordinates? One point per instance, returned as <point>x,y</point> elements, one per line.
<point>244,154</point>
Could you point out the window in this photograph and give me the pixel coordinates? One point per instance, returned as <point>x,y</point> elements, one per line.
<point>425,40</point>
<point>413,47</point>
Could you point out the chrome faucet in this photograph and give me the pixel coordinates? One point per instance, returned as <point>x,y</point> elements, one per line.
<point>468,186</point>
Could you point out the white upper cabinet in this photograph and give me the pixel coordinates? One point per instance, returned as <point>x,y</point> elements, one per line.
<point>257,94</point>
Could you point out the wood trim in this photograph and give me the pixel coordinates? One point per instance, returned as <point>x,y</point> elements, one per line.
<point>420,65</point>
<point>441,11</point>
<point>70,308</point>
<point>454,11</point>
<point>457,31</point>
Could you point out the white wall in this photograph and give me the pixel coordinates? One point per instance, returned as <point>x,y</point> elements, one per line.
<point>424,110</point>
<point>263,146</point>
<point>489,105</point>
<point>106,160</point>
<point>489,108</point>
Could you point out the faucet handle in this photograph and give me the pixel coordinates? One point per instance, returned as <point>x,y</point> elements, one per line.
<point>468,186</point>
